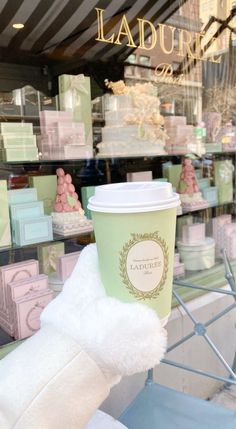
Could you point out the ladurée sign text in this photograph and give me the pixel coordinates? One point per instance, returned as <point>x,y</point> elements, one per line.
<point>189,43</point>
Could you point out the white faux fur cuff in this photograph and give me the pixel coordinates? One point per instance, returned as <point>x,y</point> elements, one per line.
<point>122,338</point>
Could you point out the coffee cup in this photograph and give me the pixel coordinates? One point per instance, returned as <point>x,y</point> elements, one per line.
<point>134,225</point>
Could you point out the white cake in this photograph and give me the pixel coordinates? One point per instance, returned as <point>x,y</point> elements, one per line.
<point>67,223</point>
<point>133,122</point>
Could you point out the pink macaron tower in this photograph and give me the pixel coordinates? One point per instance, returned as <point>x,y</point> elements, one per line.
<point>68,217</point>
<point>67,199</point>
<point>190,195</point>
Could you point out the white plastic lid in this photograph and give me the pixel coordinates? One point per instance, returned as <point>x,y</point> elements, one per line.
<point>133,197</point>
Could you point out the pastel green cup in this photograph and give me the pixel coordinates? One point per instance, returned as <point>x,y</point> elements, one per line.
<point>134,225</point>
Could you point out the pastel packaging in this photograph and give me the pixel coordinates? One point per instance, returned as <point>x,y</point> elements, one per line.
<point>46,187</point>
<point>194,233</point>
<point>86,193</point>
<point>20,196</point>
<point>15,272</point>
<point>24,289</point>
<point>16,128</point>
<point>66,264</point>
<point>48,255</point>
<point>49,118</point>
<point>5,324</point>
<point>35,230</point>
<point>199,256</point>
<point>175,120</point>
<point>223,172</point>
<point>75,97</point>
<point>5,231</point>
<point>25,211</point>
<point>27,313</point>
<point>24,153</point>
<point>211,195</point>
<point>172,173</point>
<point>65,132</point>
<point>139,176</point>
<point>9,141</point>
<point>203,183</point>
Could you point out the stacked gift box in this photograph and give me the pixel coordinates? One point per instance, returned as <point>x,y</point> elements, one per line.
<point>5,230</point>
<point>197,251</point>
<point>223,178</point>
<point>56,264</point>
<point>209,193</point>
<point>221,224</point>
<point>184,138</point>
<point>61,137</point>
<point>29,224</point>
<point>179,269</point>
<point>75,98</point>
<point>17,142</point>
<point>24,293</point>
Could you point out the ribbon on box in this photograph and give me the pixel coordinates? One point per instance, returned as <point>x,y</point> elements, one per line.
<point>225,171</point>
<point>74,86</point>
<point>51,259</point>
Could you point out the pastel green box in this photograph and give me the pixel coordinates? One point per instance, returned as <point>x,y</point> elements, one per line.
<point>46,189</point>
<point>172,174</point>
<point>9,141</point>
<point>48,255</point>
<point>211,195</point>
<point>223,173</point>
<point>213,147</point>
<point>86,193</point>
<point>5,231</point>
<point>24,153</point>
<point>75,95</point>
<point>203,183</point>
<point>20,196</point>
<point>36,230</point>
<point>25,211</point>
<point>16,128</point>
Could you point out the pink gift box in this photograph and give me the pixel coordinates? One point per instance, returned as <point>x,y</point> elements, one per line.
<point>70,151</point>
<point>178,270</point>
<point>48,118</point>
<point>175,120</point>
<point>176,258</point>
<point>24,288</point>
<point>8,327</point>
<point>67,130</point>
<point>139,176</point>
<point>15,272</point>
<point>180,130</point>
<point>218,225</point>
<point>66,264</point>
<point>27,313</point>
<point>194,233</point>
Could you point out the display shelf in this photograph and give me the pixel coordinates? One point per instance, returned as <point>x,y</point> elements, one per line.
<point>111,158</point>
<point>80,237</point>
<point>207,208</point>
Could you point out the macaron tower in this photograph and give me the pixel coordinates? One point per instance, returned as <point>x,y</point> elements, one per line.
<point>68,216</point>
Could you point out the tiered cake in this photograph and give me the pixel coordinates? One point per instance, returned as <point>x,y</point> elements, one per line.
<point>68,216</point>
<point>134,125</point>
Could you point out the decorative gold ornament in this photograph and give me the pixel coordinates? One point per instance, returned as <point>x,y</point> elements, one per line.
<point>137,238</point>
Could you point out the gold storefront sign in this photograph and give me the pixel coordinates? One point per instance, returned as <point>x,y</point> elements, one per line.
<point>189,43</point>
